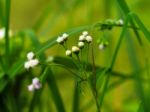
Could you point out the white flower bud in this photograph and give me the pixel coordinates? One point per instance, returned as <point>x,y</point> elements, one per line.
<point>68,52</point>
<point>27,65</point>
<point>82,38</point>
<point>64,36</point>
<point>75,49</point>
<point>81,44</point>
<point>36,83</point>
<point>30,55</point>
<point>33,62</point>
<point>89,39</point>
<point>101,46</point>
<point>31,87</point>
<point>85,33</point>
<point>60,40</point>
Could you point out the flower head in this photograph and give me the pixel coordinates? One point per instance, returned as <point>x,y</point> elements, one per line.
<point>85,33</point>
<point>68,52</point>
<point>62,39</point>
<point>35,84</point>
<point>82,38</point>
<point>30,55</point>
<point>31,87</point>
<point>89,39</point>
<point>31,62</point>
<point>80,44</point>
<point>75,49</point>
<point>64,36</point>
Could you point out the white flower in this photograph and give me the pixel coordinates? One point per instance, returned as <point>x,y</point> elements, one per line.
<point>82,38</point>
<point>68,52</point>
<point>27,65</point>
<point>33,62</point>
<point>88,38</point>
<point>30,55</point>
<point>85,33</point>
<point>81,44</point>
<point>36,83</point>
<point>75,49</point>
<point>30,63</point>
<point>60,40</point>
<point>64,36</point>
<point>31,87</point>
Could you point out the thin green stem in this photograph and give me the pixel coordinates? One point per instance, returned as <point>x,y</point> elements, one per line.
<point>60,65</point>
<point>8,2</point>
<point>94,82</point>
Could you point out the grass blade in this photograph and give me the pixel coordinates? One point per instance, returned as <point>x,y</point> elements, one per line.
<point>141,26</point>
<point>76,102</point>
<point>106,83</point>
<point>7,31</point>
<point>126,11</point>
<point>55,91</point>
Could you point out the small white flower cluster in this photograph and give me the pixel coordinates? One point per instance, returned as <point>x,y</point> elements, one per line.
<point>75,49</point>
<point>62,39</point>
<point>31,62</point>
<point>85,37</point>
<point>2,33</point>
<point>35,85</point>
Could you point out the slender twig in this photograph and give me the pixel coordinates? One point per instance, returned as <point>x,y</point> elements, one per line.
<point>74,73</point>
<point>94,82</point>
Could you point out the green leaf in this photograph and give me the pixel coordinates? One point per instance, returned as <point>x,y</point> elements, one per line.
<point>55,91</point>
<point>126,11</point>
<point>142,26</point>
<point>76,99</point>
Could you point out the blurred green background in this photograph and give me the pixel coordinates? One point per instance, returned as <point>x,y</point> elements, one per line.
<point>49,18</point>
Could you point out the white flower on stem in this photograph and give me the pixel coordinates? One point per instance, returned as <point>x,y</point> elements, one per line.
<point>68,52</point>
<point>60,40</point>
<point>88,39</point>
<point>64,36</point>
<point>75,49</point>
<point>80,44</point>
<point>30,55</point>
<point>101,46</point>
<point>31,87</point>
<point>31,62</point>
<point>36,83</point>
<point>82,38</point>
<point>85,33</point>
<point>27,65</point>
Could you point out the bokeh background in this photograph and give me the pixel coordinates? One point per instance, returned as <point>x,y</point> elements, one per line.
<point>57,16</point>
